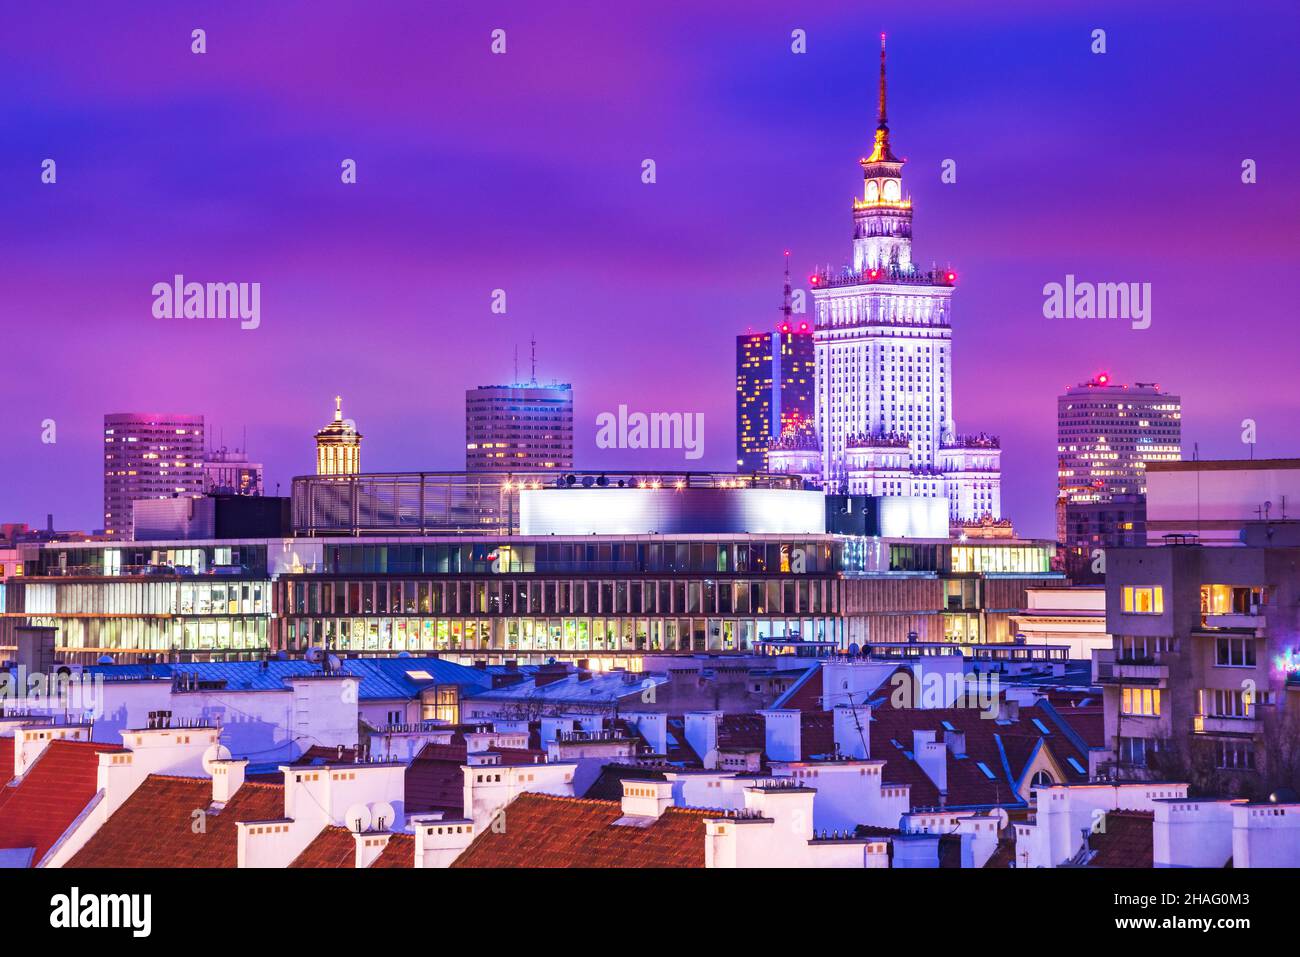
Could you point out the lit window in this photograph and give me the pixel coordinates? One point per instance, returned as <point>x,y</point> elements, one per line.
<point>1144,601</point>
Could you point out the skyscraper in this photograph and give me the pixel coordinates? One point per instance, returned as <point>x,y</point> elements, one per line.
<point>338,445</point>
<point>775,383</point>
<point>1106,433</point>
<point>148,455</point>
<point>526,426</point>
<point>883,335</point>
<point>753,400</point>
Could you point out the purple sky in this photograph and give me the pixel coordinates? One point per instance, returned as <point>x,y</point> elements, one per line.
<point>522,172</point>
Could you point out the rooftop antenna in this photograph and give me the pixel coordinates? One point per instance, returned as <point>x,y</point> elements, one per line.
<point>516,362</point>
<point>786,309</point>
<point>533,380</point>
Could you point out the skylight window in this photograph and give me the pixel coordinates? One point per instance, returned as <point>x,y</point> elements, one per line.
<point>1040,726</point>
<point>1077,766</point>
<point>419,676</point>
<point>948,726</point>
<point>985,768</point>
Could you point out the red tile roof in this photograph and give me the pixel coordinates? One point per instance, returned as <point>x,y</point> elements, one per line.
<point>155,827</point>
<point>1004,747</point>
<point>546,831</point>
<point>6,760</point>
<point>50,796</point>
<point>806,692</point>
<point>332,847</point>
<point>1125,841</point>
<point>400,852</point>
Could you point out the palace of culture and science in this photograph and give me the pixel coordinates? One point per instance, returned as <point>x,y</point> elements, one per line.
<point>883,346</point>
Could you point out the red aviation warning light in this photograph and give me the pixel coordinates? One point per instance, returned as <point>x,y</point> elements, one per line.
<point>951,276</point>
<point>1103,379</point>
<point>803,327</point>
<point>813,280</point>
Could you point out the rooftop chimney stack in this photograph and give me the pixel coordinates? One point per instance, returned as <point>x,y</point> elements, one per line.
<point>932,756</point>
<point>783,730</point>
<point>702,735</point>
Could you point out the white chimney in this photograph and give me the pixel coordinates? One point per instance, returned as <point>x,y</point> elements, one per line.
<point>227,778</point>
<point>702,735</point>
<point>852,725</point>
<point>651,725</point>
<point>30,742</point>
<point>370,844</point>
<point>932,756</point>
<point>646,798</point>
<point>783,732</point>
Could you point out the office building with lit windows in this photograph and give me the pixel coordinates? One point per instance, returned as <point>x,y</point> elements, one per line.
<point>724,569</point>
<point>1203,681</point>
<point>523,427</point>
<point>883,346</point>
<point>148,455</point>
<point>775,378</point>
<point>1107,435</point>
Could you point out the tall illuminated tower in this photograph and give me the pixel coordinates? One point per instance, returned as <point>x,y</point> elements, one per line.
<point>883,342</point>
<point>338,445</point>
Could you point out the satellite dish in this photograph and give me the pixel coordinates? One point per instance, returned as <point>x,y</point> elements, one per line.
<point>853,649</point>
<point>357,818</point>
<point>403,654</point>
<point>105,659</point>
<point>218,752</point>
<point>335,664</point>
<point>1002,817</point>
<point>382,814</point>
<point>1283,796</point>
<point>315,654</point>
<point>588,481</point>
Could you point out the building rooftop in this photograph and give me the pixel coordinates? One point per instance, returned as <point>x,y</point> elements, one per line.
<point>155,826</point>
<point>549,831</point>
<point>380,678</point>
<point>36,811</point>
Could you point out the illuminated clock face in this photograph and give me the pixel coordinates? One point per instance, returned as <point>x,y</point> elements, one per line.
<point>891,190</point>
<point>873,191</point>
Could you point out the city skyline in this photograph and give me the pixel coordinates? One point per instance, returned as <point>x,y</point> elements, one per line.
<point>527,180</point>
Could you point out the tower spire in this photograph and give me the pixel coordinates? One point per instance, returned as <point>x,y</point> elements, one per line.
<point>884,120</point>
<point>881,152</point>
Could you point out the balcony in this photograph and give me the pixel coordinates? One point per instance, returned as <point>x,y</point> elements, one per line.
<point>1233,622</point>
<point>1220,724</point>
<point>1148,671</point>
